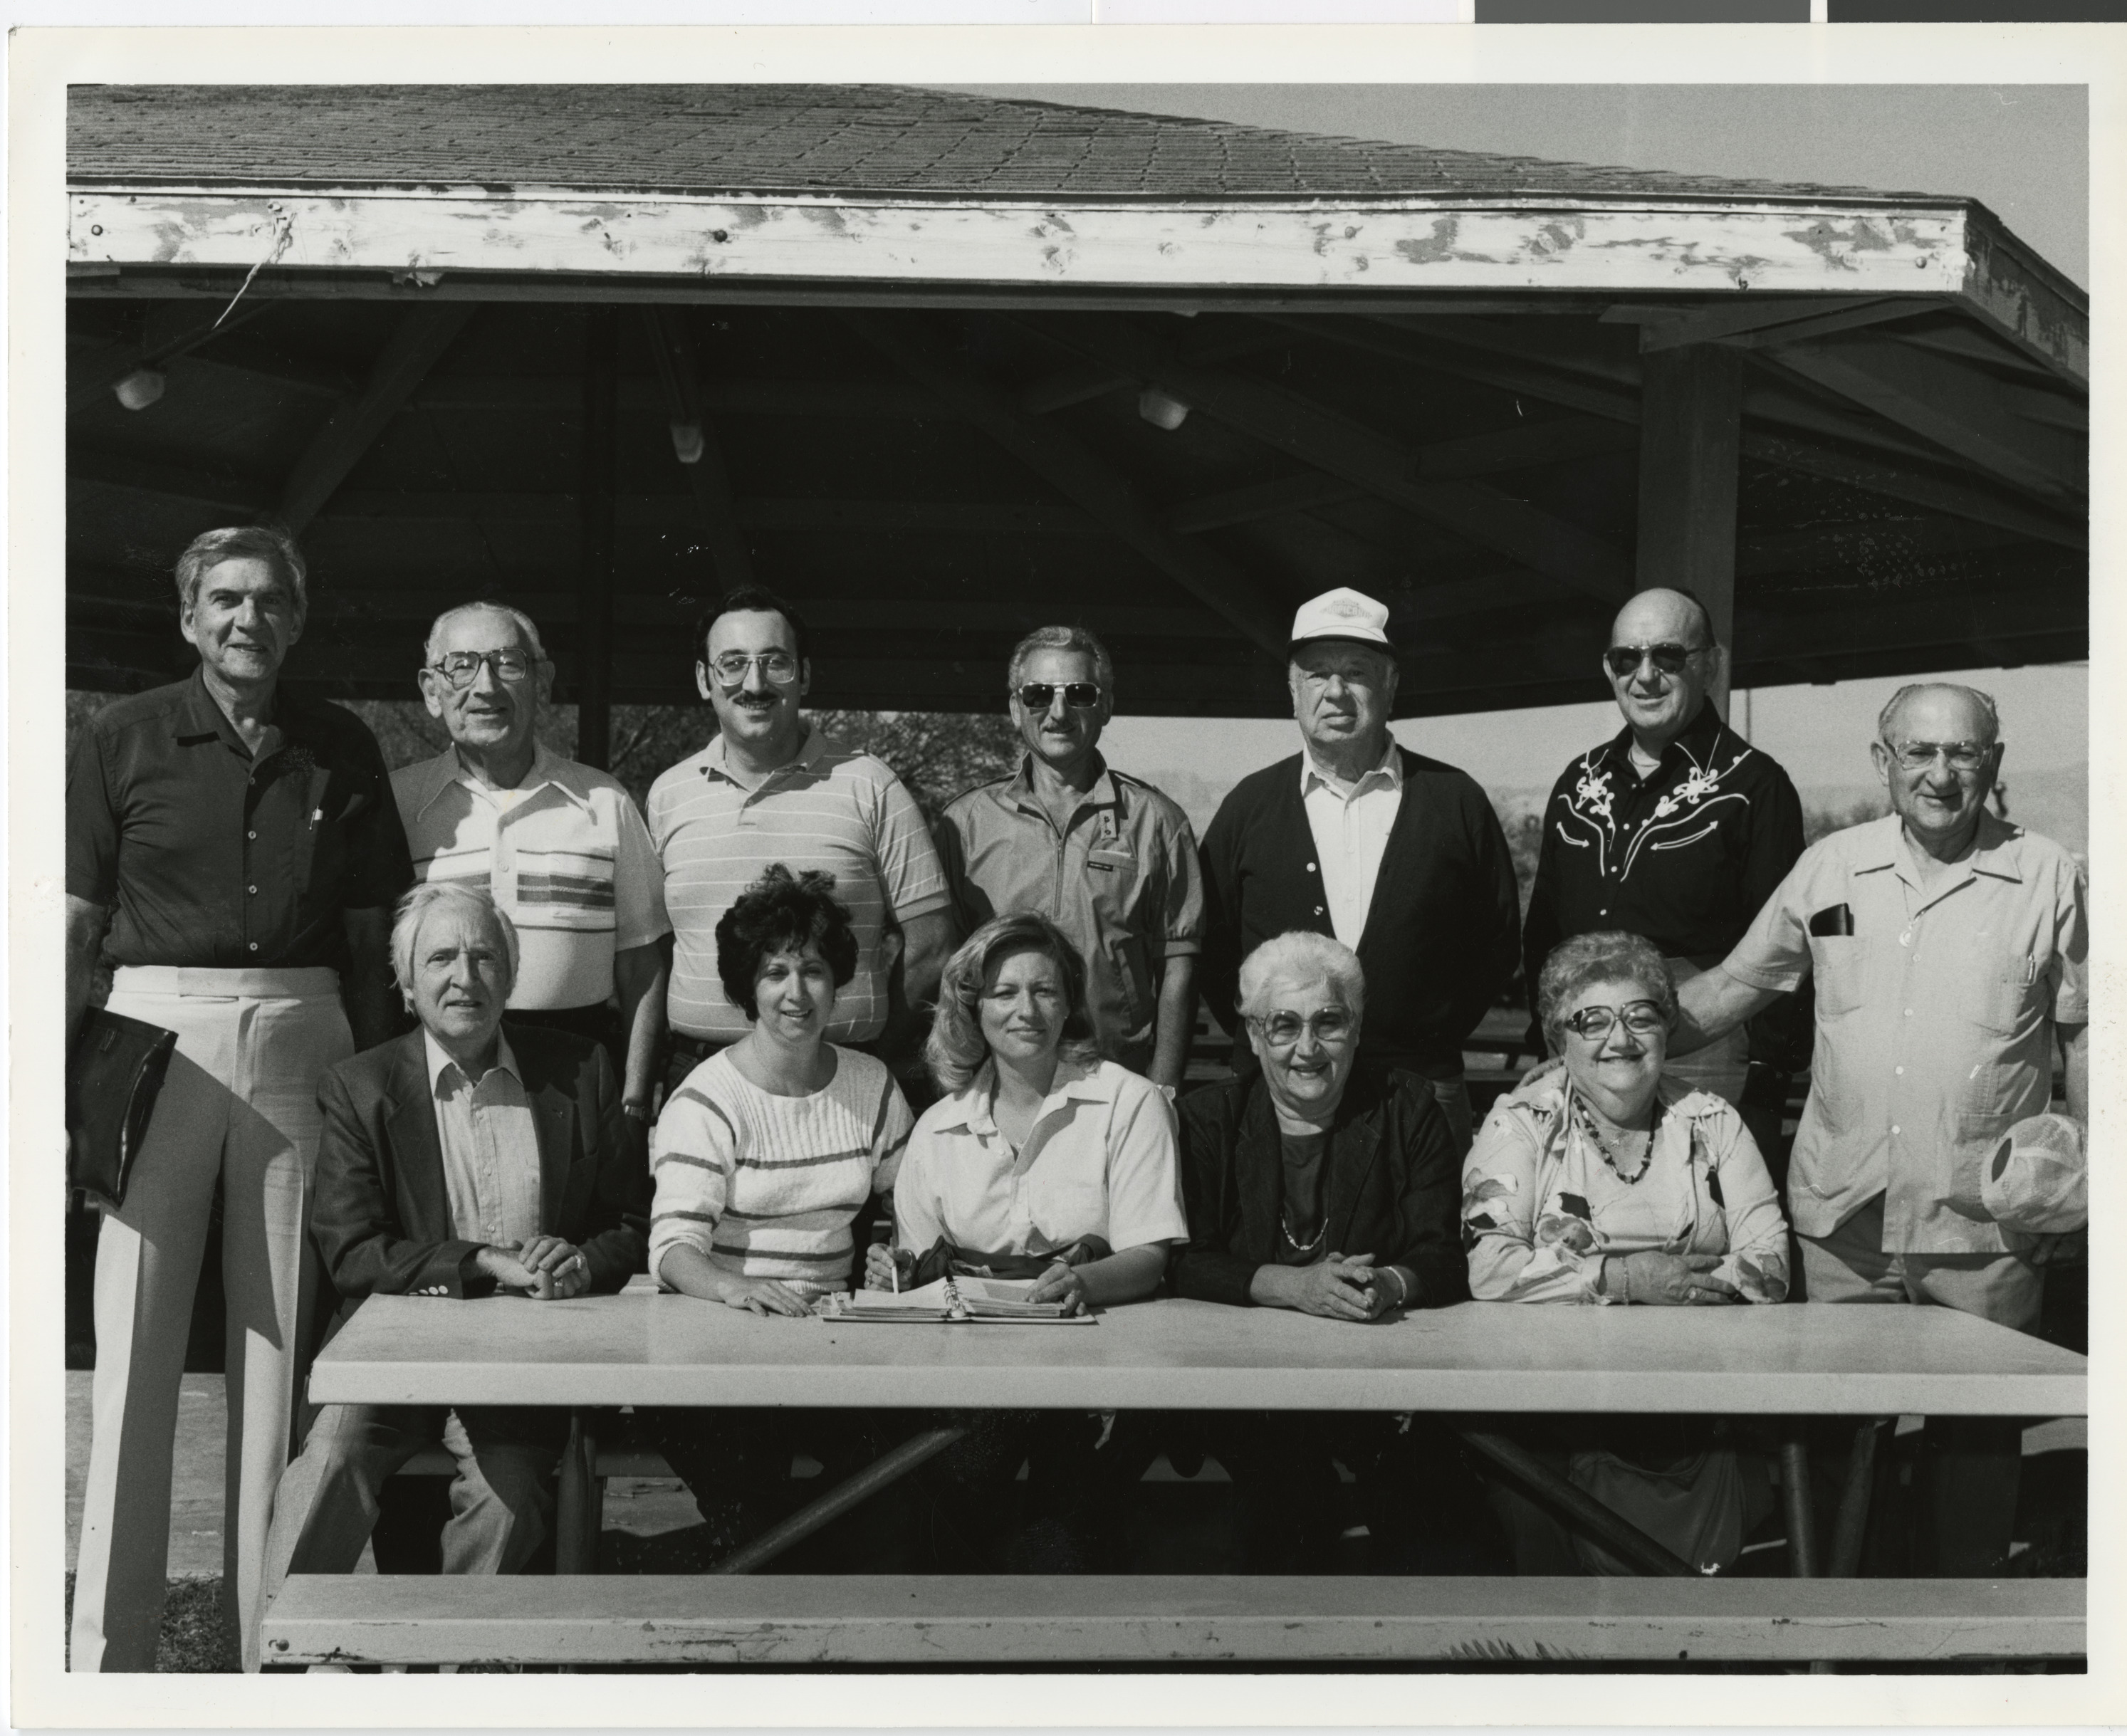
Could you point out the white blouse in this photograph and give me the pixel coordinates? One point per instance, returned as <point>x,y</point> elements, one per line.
<point>1100,1161</point>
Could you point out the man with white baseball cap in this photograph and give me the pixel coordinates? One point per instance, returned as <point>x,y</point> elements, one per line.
<point>1399,857</point>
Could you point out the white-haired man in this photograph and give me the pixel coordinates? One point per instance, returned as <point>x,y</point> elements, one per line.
<point>1105,857</point>
<point>560,846</point>
<point>1950,950</point>
<point>234,853</point>
<point>470,1156</point>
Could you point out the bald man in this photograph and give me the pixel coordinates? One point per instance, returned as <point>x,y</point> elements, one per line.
<point>1677,829</point>
<point>1950,951</point>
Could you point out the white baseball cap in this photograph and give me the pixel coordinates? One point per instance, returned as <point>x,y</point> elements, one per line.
<point>1343,613</point>
<point>2037,1183</point>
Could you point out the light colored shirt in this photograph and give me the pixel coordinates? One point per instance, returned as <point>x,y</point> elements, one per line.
<point>1120,880</point>
<point>766,1186</point>
<point>1100,1161</point>
<point>1935,1009</point>
<point>829,809</point>
<point>1541,1208</point>
<point>1352,829</point>
<point>490,1147</point>
<point>565,853</point>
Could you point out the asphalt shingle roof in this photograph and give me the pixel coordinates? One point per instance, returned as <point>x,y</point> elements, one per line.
<point>814,139</point>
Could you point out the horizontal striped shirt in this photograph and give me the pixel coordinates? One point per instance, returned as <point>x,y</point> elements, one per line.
<point>831,809</point>
<point>564,853</point>
<point>766,1186</point>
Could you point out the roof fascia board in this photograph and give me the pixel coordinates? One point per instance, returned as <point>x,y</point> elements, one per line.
<point>1607,246</point>
<point>2016,293</point>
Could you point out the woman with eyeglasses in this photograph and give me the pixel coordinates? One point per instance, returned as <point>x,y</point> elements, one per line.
<point>1039,1160</point>
<point>1317,1186</point>
<point>1596,1181</point>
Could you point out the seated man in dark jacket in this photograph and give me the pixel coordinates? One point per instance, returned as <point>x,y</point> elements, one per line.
<point>472,1157</point>
<point>1314,1185</point>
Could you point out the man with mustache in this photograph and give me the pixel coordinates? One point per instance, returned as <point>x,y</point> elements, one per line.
<point>1107,858</point>
<point>770,787</point>
<point>1950,951</point>
<point>1399,857</point>
<point>234,853</point>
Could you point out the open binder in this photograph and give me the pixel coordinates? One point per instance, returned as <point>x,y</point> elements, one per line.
<point>954,1300</point>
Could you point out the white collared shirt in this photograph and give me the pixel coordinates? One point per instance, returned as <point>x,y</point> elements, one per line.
<point>1100,1161</point>
<point>1352,829</point>
<point>565,853</point>
<point>491,1147</point>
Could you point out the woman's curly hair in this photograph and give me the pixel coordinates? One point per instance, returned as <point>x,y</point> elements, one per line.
<point>1610,955</point>
<point>783,912</point>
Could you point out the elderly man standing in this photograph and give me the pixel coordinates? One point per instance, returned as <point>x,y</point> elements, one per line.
<point>769,788</point>
<point>1399,857</point>
<point>1676,830</point>
<point>1950,951</point>
<point>472,1157</point>
<point>234,852</point>
<point>558,845</point>
<point>1107,858</point>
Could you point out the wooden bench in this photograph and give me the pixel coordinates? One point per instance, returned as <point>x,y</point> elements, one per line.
<point>798,1620</point>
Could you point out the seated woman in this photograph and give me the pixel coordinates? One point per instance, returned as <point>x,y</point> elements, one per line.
<point>1314,1186</point>
<point>761,1162</point>
<point>1599,1182</point>
<point>1040,1160</point>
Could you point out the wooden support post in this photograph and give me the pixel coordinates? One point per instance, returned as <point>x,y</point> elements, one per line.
<point>576,1514</point>
<point>1795,1497</point>
<point>1691,426</point>
<point>594,569</point>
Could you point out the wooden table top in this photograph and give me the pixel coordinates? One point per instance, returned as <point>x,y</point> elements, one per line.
<point>1171,1355</point>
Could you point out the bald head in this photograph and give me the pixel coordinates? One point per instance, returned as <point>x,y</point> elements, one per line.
<point>1662,616</point>
<point>1949,710</point>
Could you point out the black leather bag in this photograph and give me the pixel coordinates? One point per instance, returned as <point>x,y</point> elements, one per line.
<point>113,1077</point>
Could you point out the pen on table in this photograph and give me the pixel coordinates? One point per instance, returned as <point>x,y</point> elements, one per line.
<point>882,1236</point>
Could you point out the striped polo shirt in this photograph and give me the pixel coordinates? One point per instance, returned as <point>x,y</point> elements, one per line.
<point>767,1186</point>
<point>844,813</point>
<point>564,853</point>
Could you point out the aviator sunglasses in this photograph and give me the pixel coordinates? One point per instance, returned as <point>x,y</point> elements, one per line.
<point>1081,696</point>
<point>1669,658</point>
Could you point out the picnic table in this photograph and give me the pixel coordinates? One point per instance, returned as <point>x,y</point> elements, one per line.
<point>1475,1361</point>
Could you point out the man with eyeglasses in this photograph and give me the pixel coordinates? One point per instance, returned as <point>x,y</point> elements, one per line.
<point>1398,856</point>
<point>233,851</point>
<point>770,787</point>
<point>559,846</point>
<point>1107,858</point>
<point>1676,830</point>
<point>1950,951</point>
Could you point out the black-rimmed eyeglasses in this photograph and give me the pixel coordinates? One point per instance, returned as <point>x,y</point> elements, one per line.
<point>1642,1018</point>
<point>462,669</point>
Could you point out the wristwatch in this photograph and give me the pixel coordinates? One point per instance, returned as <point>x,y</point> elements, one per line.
<point>637,1112</point>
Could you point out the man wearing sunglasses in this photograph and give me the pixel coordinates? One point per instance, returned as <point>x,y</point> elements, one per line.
<point>1950,951</point>
<point>1107,858</point>
<point>1677,829</point>
<point>770,787</point>
<point>1399,857</point>
<point>559,846</point>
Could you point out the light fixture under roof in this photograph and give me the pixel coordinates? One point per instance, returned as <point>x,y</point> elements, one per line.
<point>140,388</point>
<point>1162,410</point>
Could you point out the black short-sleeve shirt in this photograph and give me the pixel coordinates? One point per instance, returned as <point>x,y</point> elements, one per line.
<point>212,859</point>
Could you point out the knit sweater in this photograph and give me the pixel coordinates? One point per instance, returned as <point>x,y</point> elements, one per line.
<point>767,1186</point>
<point>1443,932</point>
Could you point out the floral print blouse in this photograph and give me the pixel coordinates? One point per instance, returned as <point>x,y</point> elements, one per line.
<point>1540,1207</point>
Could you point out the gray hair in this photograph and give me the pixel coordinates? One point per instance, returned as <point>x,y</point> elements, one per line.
<point>1987,709</point>
<point>1062,639</point>
<point>1304,955</point>
<point>528,630</point>
<point>464,895</point>
<point>1607,955</point>
<point>956,1048</point>
<point>267,543</point>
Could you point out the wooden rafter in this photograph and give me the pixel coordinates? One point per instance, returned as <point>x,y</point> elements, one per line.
<point>416,344</point>
<point>168,331</point>
<point>1960,408</point>
<point>1077,474</point>
<point>1385,467</point>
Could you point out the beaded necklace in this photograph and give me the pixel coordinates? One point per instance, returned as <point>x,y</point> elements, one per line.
<point>1583,1119</point>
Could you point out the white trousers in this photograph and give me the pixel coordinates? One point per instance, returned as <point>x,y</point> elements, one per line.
<point>240,1106</point>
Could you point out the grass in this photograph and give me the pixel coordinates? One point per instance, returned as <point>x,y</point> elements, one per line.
<point>195,1640</point>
